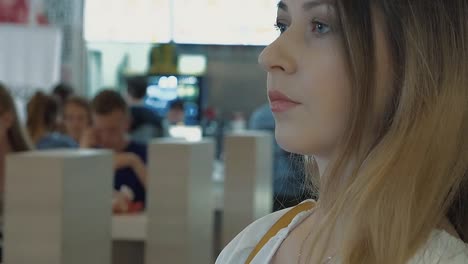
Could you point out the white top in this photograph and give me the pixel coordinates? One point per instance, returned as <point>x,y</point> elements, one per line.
<point>441,248</point>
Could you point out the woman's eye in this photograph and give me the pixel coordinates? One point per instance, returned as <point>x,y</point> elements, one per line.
<point>320,28</point>
<point>281,27</point>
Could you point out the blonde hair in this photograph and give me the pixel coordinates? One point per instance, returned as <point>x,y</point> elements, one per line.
<point>414,172</point>
<point>16,136</point>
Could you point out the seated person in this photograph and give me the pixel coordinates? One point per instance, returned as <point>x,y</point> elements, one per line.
<point>76,117</point>
<point>109,131</point>
<point>145,124</point>
<point>12,136</point>
<point>175,115</point>
<point>61,92</point>
<point>42,111</point>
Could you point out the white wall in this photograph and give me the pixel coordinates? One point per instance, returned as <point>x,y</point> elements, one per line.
<point>29,57</point>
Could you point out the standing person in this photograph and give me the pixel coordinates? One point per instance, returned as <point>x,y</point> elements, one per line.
<point>111,121</point>
<point>12,139</point>
<point>145,124</point>
<point>43,111</point>
<point>375,94</point>
<point>76,117</point>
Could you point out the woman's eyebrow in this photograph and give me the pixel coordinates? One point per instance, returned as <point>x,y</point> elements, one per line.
<point>282,6</point>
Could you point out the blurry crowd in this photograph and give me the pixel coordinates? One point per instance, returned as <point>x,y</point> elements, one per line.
<point>110,120</point>
<point>124,124</point>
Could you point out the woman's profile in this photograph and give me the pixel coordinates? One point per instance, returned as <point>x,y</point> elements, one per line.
<point>375,95</point>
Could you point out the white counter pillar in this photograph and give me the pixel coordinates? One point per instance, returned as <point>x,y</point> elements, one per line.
<point>248,187</point>
<point>180,202</point>
<point>58,207</point>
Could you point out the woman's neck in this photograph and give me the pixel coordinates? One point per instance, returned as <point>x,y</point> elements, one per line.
<point>446,226</point>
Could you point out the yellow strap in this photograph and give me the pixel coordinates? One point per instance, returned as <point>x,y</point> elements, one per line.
<point>283,222</point>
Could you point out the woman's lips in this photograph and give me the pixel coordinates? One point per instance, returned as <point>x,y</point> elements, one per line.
<point>279,102</point>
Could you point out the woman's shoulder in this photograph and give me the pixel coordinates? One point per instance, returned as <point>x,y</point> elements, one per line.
<point>442,248</point>
<point>241,246</point>
<point>238,250</point>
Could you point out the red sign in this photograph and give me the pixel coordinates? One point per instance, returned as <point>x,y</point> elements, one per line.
<point>14,11</point>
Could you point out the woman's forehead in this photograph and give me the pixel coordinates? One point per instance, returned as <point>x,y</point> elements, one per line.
<point>286,5</point>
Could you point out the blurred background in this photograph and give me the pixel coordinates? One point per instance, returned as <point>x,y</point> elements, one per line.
<point>173,89</point>
<point>96,44</point>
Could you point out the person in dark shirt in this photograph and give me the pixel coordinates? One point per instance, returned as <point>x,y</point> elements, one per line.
<point>109,131</point>
<point>145,124</point>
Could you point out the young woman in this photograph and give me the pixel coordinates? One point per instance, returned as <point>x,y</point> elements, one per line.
<point>375,95</point>
<point>42,112</point>
<point>76,117</point>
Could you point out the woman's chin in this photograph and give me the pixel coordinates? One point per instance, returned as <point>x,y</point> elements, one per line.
<point>300,142</point>
<point>291,142</point>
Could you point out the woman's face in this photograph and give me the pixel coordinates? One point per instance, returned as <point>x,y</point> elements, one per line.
<point>308,82</point>
<point>76,120</point>
<point>306,63</point>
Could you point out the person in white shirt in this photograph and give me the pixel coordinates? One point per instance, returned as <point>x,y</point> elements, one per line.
<point>375,95</point>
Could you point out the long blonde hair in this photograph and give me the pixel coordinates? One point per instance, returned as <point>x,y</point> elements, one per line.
<point>414,172</point>
<point>16,135</point>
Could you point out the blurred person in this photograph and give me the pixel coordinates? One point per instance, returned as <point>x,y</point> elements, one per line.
<point>12,135</point>
<point>111,121</point>
<point>374,94</point>
<point>42,113</point>
<point>176,112</point>
<point>76,117</point>
<point>12,139</point>
<point>289,188</point>
<point>62,92</point>
<point>145,124</point>
<point>175,116</point>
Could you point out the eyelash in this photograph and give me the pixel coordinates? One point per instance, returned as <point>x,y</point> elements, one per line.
<point>282,27</point>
